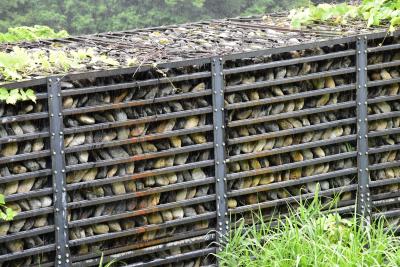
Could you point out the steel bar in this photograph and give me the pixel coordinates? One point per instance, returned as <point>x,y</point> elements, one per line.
<point>24,117</point>
<point>25,234</point>
<point>146,156</point>
<point>113,87</point>
<point>219,148</point>
<point>363,200</point>
<point>384,182</point>
<point>87,260</point>
<point>281,133</point>
<point>292,148</point>
<point>383,98</point>
<point>137,230</point>
<point>289,166</point>
<point>142,212</point>
<point>383,48</point>
<point>23,176</point>
<point>394,63</point>
<point>27,253</point>
<point>274,203</point>
<point>136,103</point>
<point>289,62</point>
<point>286,115</point>
<point>153,118</point>
<point>271,100</point>
<point>383,82</point>
<point>26,156</point>
<point>285,184</point>
<point>262,84</point>
<point>134,140</point>
<point>30,194</point>
<point>24,137</point>
<point>58,169</point>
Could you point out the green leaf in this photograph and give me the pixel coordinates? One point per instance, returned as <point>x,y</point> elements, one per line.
<point>13,97</point>
<point>2,199</point>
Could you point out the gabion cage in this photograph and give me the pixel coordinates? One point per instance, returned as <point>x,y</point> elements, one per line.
<point>152,171</point>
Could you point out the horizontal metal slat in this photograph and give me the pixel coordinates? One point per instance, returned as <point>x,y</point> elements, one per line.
<point>380,166</point>
<point>283,201</point>
<point>389,197</point>
<point>24,137</point>
<point>382,82</point>
<point>25,234</point>
<point>24,117</point>
<point>33,213</point>
<point>113,87</point>
<point>141,247</point>
<point>135,103</point>
<point>134,140</point>
<point>23,176</point>
<point>281,133</point>
<point>292,148</point>
<point>30,194</point>
<point>383,65</point>
<point>176,258</point>
<point>384,132</point>
<point>383,48</point>
<point>271,100</point>
<point>142,212</point>
<point>284,167</point>
<point>108,199</point>
<point>153,118</point>
<point>200,164</point>
<point>286,115</point>
<point>27,253</point>
<point>145,156</point>
<point>26,156</point>
<point>288,62</point>
<point>381,116</point>
<point>382,149</point>
<point>284,184</point>
<point>389,181</point>
<point>323,74</point>
<point>383,98</point>
<point>103,237</point>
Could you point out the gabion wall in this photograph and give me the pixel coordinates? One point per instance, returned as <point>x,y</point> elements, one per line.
<point>151,166</point>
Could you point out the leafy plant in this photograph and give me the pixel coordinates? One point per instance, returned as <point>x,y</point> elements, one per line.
<point>35,33</point>
<point>15,95</point>
<point>374,12</point>
<point>6,214</point>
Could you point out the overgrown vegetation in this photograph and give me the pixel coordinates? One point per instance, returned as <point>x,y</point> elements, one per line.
<point>30,34</point>
<point>310,237</point>
<point>374,12</point>
<point>6,213</point>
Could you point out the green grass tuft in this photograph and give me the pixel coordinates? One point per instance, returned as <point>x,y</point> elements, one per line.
<point>310,237</point>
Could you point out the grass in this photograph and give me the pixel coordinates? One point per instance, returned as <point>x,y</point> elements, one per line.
<point>310,237</point>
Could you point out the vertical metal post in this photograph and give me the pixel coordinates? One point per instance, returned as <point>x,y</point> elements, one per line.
<point>219,147</point>
<point>58,172</point>
<point>363,199</point>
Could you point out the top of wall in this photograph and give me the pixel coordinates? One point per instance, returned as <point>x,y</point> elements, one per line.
<point>141,47</point>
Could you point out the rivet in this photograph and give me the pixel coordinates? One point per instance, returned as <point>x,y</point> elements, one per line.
<point>365,68</point>
<point>54,153</point>
<point>58,247</point>
<point>217,162</point>
<point>213,60</point>
<point>215,110</point>
<point>216,127</point>
<point>215,92</point>
<point>51,96</point>
<point>359,153</point>
<point>359,69</point>
<point>223,144</point>
<point>214,74</point>
<point>359,103</point>
<point>62,151</point>
<point>57,209</point>
<point>58,79</point>
<point>365,103</point>
<point>50,80</point>
<point>59,256</point>
<point>60,114</point>
<point>53,134</point>
<point>55,172</point>
<point>220,223</point>
<point>359,52</point>
<point>59,262</point>
<point>61,133</point>
<point>366,169</point>
<point>220,59</point>
<point>216,145</point>
<point>67,260</point>
<point>58,95</point>
<point>66,246</point>
<point>222,109</point>
<point>62,170</point>
<point>51,115</point>
<point>221,73</point>
<point>58,228</point>
<point>222,126</point>
<point>218,180</point>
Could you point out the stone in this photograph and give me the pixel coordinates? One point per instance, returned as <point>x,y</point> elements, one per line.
<point>167,215</point>
<point>114,227</point>
<point>177,213</point>
<point>165,126</point>
<point>15,246</point>
<point>118,188</point>
<point>148,147</point>
<point>189,212</point>
<point>232,203</point>
<point>181,194</point>
<point>34,203</point>
<point>17,129</point>
<point>86,119</point>
<point>68,102</point>
<point>118,152</point>
<point>16,226</point>
<point>138,130</point>
<point>46,201</point>
<point>198,174</point>
<point>199,138</point>
<point>28,127</point>
<point>4,226</point>
<point>11,188</point>
<point>181,159</point>
<point>9,149</point>
<point>199,87</point>
<point>83,156</point>
<point>267,179</point>
<point>130,186</point>
<point>90,175</point>
<point>100,228</point>
<point>155,218</point>
<point>175,141</point>
<point>78,139</point>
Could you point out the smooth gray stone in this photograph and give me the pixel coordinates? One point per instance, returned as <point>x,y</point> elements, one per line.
<point>189,212</point>
<point>3,132</point>
<point>31,165</point>
<point>25,148</point>
<point>118,152</point>
<point>71,159</point>
<point>16,226</point>
<point>28,127</point>
<point>42,163</point>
